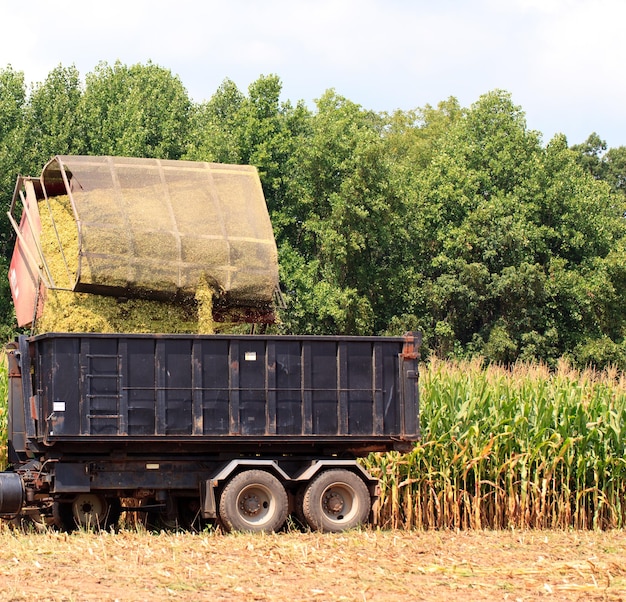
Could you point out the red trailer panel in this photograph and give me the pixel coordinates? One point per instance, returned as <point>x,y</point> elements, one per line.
<point>26,285</point>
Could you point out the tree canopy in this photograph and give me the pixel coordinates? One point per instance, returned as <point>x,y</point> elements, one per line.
<point>458,221</point>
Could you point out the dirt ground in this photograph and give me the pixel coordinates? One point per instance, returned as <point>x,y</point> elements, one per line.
<point>364,565</point>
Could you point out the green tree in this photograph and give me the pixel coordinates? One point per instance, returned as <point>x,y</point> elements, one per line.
<point>512,235</point>
<point>344,254</point>
<point>590,155</point>
<point>13,99</point>
<point>213,127</point>
<point>139,111</point>
<point>615,169</point>
<point>412,137</point>
<point>53,125</point>
<point>607,165</point>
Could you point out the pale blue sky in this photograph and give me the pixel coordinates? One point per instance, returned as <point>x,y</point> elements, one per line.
<point>562,60</point>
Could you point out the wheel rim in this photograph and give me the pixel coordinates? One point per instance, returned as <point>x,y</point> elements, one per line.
<point>256,505</point>
<point>339,503</point>
<point>89,510</point>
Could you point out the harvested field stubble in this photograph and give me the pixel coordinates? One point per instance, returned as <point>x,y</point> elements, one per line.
<point>360,565</point>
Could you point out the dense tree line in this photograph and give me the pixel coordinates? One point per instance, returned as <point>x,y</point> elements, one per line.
<point>457,221</point>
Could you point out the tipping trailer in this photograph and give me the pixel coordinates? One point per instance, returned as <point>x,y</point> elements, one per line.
<point>185,428</point>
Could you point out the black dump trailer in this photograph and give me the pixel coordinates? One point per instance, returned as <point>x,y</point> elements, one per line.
<point>185,429</point>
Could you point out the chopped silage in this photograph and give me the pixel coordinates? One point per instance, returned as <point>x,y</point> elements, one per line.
<point>68,311</point>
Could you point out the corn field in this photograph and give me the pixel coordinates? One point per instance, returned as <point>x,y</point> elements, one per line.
<point>519,448</point>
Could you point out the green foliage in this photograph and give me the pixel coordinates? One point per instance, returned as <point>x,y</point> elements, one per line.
<point>137,111</point>
<point>615,174</point>
<point>412,137</point>
<point>53,120</point>
<point>517,235</point>
<point>12,128</point>
<point>213,127</point>
<point>351,219</point>
<point>606,165</point>
<point>590,155</point>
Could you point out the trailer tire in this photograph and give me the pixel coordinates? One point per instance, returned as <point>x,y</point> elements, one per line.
<point>336,500</point>
<point>253,500</point>
<point>87,511</point>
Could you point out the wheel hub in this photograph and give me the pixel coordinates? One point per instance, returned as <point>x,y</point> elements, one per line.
<point>251,505</point>
<point>334,503</point>
<point>89,510</point>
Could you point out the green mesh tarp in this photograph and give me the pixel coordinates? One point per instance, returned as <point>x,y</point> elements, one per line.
<point>157,228</point>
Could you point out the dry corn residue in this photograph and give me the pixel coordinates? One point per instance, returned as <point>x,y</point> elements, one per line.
<point>67,311</point>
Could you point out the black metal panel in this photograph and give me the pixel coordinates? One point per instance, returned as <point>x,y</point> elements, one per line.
<point>26,366</point>
<point>138,384</point>
<point>59,386</point>
<point>17,410</point>
<point>360,388</point>
<point>176,385</point>
<point>100,406</point>
<point>288,375</point>
<point>71,478</point>
<point>324,388</point>
<point>391,392</point>
<point>252,378</point>
<point>214,367</point>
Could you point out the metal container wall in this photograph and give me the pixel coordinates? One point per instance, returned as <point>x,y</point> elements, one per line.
<point>190,387</point>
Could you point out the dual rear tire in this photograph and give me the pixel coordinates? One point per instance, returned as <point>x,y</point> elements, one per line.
<point>255,500</point>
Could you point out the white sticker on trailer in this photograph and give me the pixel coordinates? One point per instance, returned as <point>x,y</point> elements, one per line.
<point>250,356</point>
<point>58,406</point>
